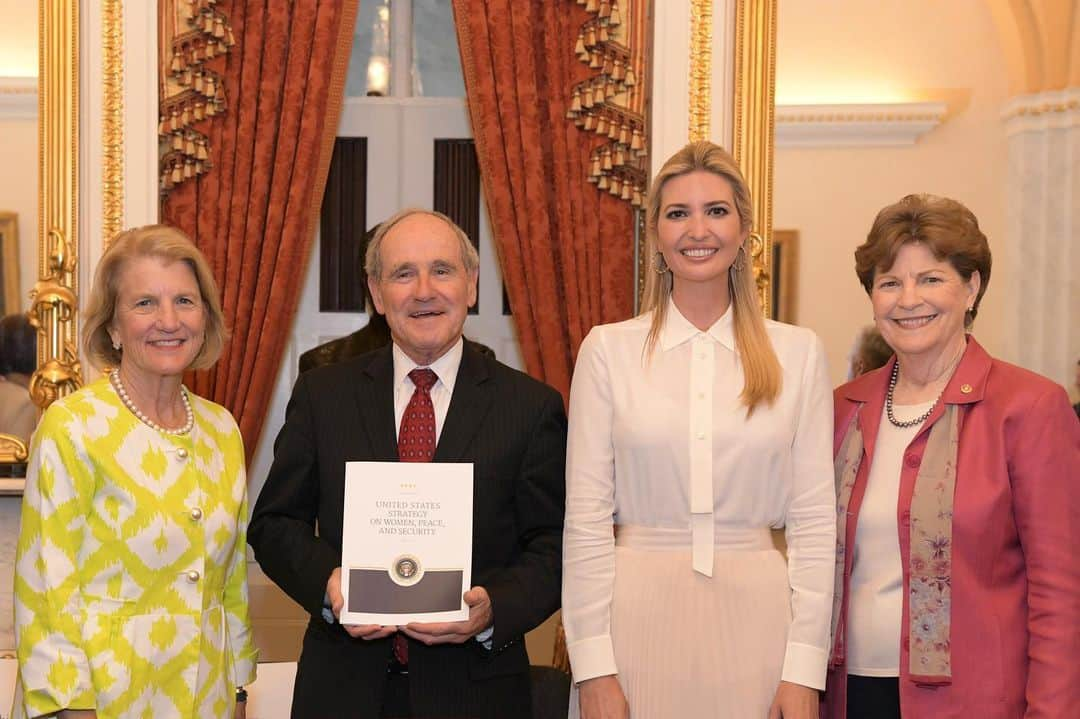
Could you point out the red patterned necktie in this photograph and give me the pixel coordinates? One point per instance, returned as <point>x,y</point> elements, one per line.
<point>416,443</point>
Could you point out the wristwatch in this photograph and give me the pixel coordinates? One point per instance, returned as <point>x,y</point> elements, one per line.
<point>241,695</point>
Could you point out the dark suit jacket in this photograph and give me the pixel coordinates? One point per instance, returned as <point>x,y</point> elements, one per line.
<point>513,428</point>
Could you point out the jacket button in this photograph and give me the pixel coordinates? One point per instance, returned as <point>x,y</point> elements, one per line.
<point>181,454</point>
<point>196,514</point>
<point>912,460</point>
<point>193,576</point>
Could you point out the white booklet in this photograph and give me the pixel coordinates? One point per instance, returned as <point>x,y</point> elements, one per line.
<point>406,543</point>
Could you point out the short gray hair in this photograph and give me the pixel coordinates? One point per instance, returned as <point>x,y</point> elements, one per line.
<point>373,262</point>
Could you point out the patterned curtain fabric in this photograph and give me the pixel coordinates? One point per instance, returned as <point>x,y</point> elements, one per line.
<point>254,213</point>
<point>566,249</point>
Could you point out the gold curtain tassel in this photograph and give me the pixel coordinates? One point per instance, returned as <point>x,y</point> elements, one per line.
<point>603,183</point>
<point>615,20</point>
<point>200,111</point>
<point>601,126</point>
<point>189,170</point>
<point>604,36</point>
<point>631,78</point>
<point>595,63</point>
<point>613,131</point>
<point>590,38</point>
<point>590,121</point>
<point>575,104</point>
<point>595,169</point>
<point>605,8</point>
<point>579,48</point>
<point>189,147</point>
<point>219,27</point>
<point>177,175</point>
<point>616,187</point>
<point>626,192</point>
<point>587,99</point>
<point>185,116</point>
<point>590,6</point>
<point>624,135</point>
<point>635,140</point>
<point>607,160</point>
<point>617,73</point>
<point>210,50</point>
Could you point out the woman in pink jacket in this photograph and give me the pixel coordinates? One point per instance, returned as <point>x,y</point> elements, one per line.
<point>958,481</point>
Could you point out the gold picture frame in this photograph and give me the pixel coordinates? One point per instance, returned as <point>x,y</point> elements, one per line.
<point>9,263</point>
<point>784,276</point>
<point>54,299</point>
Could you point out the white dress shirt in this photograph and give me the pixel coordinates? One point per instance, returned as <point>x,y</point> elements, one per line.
<point>445,368</point>
<point>876,592</point>
<point>664,441</point>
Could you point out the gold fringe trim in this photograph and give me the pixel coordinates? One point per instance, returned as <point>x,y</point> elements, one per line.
<point>193,32</point>
<point>612,102</point>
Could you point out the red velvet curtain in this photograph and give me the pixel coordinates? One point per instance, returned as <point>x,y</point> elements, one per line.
<point>254,213</point>
<point>566,248</point>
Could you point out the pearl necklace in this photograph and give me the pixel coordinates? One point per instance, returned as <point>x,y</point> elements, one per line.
<point>114,377</point>
<point>889,403</point>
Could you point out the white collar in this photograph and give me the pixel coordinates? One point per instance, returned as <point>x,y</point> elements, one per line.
<point>446,367</point>
<point>677,329</point>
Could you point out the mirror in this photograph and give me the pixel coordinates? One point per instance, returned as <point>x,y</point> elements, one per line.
<point>44,42</point>
<point>18,213</point>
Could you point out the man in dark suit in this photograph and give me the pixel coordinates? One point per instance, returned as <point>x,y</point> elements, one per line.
<point>422,274</point>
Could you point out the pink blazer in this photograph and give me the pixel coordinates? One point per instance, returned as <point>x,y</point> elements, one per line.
<point>1015,620</point>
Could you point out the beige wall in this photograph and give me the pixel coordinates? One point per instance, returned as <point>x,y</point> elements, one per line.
<point>18,38</point>
<point>888,50</point>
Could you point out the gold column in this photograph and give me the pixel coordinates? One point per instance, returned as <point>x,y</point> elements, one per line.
<point>701,17</point>
<point>54,308</point>
<point>755,83</point>
<point>112,118</point>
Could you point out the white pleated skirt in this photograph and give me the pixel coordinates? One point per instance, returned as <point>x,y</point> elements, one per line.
<point>687,645</point>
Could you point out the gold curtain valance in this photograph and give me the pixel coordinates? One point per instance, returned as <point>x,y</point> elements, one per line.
<point>611,103</point>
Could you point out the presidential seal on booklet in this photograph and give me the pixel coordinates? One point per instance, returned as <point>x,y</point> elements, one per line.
<point>406,550</point>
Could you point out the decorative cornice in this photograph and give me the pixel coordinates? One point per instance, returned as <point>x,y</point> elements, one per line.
<point>1042,111</point>
<point>18,98</point>
<point>701,21</point>
<point>112,118</point>
<point>885,124</point>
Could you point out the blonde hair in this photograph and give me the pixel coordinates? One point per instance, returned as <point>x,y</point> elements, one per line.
<point>761,368</point>
<point>168,244</point>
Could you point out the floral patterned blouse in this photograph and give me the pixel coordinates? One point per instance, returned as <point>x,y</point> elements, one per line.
<point>131,574</point>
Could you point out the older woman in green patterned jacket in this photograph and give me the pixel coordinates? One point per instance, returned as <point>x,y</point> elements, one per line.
<point>131,591</point>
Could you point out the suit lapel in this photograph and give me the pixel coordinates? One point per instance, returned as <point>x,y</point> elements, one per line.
<point>375,399</point>
<point>473,394</point>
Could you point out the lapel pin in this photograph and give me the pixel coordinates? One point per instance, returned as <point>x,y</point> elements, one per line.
<point>965,388</point>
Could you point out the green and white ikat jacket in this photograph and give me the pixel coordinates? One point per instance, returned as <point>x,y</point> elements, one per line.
<point>131,575</point>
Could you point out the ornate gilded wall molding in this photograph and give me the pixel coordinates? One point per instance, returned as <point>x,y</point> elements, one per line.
<point>112,118</point>
<point>755,83</point>
<point>701,31</point>
<point>54,308</point>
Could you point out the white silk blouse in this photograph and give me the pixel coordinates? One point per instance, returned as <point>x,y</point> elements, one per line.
<point>664,442</point>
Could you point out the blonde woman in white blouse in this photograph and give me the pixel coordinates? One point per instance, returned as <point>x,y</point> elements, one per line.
<point>694,429</point>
